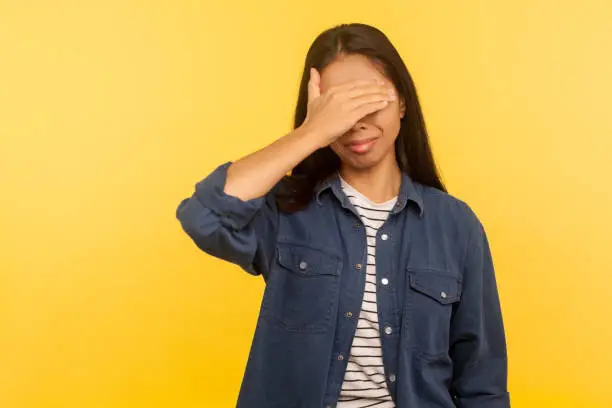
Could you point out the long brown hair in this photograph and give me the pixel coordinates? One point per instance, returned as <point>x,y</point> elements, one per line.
<point>413,151</point>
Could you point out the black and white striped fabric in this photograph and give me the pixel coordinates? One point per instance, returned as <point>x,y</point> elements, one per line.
<point>364,381</point>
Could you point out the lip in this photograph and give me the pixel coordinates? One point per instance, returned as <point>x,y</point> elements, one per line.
<point>361,146</point>
<point>360,142</point>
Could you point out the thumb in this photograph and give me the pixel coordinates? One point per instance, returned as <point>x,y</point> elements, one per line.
<point>314,83</point>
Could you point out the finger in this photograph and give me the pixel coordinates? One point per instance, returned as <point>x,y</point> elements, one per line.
<point>354,84</point>
<point>369,98</point>
<point>369,108</point>
<point>314,85</point>
<point>371,89</point>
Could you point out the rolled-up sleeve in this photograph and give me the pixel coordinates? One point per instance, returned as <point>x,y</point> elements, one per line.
<point>226,227</point>
<point>478,344</point>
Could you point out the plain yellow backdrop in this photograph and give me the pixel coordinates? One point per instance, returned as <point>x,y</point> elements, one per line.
<point>111,111</point>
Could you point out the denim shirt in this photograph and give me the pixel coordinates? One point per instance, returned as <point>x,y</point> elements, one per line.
<point>442,333</point>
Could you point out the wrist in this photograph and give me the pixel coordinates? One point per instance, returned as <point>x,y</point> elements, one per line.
<point>308,132</point>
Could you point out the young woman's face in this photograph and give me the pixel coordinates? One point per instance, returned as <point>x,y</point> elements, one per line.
<point>378,130</point>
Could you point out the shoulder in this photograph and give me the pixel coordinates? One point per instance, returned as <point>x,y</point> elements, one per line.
<point>449,209</point>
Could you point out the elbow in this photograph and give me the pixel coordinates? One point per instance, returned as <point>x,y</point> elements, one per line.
<point>196,220</point>
<point>180,210</point>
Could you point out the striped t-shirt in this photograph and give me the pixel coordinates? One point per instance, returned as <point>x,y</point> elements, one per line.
<point>364,381</point>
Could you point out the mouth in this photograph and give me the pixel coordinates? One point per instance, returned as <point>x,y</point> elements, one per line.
<point>361,146</point>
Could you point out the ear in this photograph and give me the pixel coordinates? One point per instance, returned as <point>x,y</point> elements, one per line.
<point>402,107</point>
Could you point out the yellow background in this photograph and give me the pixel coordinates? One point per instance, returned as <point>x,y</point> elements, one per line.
<point>110,111</point>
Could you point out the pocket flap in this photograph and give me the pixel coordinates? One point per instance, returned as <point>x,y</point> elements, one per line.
<point>307,261</point>
<point>443,288</point>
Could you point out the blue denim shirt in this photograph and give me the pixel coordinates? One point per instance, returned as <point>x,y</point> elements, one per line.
<point>443,344</point>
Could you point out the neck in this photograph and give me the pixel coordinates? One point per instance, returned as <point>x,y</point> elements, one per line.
<point>379,183</point>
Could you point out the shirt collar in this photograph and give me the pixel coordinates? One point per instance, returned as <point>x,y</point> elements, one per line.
<point>408,192</point>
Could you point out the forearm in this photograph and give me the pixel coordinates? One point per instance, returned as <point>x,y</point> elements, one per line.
<point>255,175</point>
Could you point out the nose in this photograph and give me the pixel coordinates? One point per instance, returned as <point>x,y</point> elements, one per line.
<point>359,126</point>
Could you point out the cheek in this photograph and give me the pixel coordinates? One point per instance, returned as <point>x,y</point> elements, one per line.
<point>389,121</point>
<point>335,146</point>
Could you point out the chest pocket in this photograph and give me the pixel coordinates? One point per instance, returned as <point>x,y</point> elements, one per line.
<point>303,288</point>
<point>430,298</point>
<point>443,288</point>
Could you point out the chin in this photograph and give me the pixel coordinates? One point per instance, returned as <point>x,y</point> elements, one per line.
<point>360,163</point>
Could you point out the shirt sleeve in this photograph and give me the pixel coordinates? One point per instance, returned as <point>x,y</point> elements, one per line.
<point>226,227</point>
<point>478,344</point>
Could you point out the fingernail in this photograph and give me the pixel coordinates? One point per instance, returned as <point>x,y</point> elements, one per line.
<point>392,94</point>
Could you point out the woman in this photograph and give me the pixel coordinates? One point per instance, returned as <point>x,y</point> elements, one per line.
<point>380,288</point>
